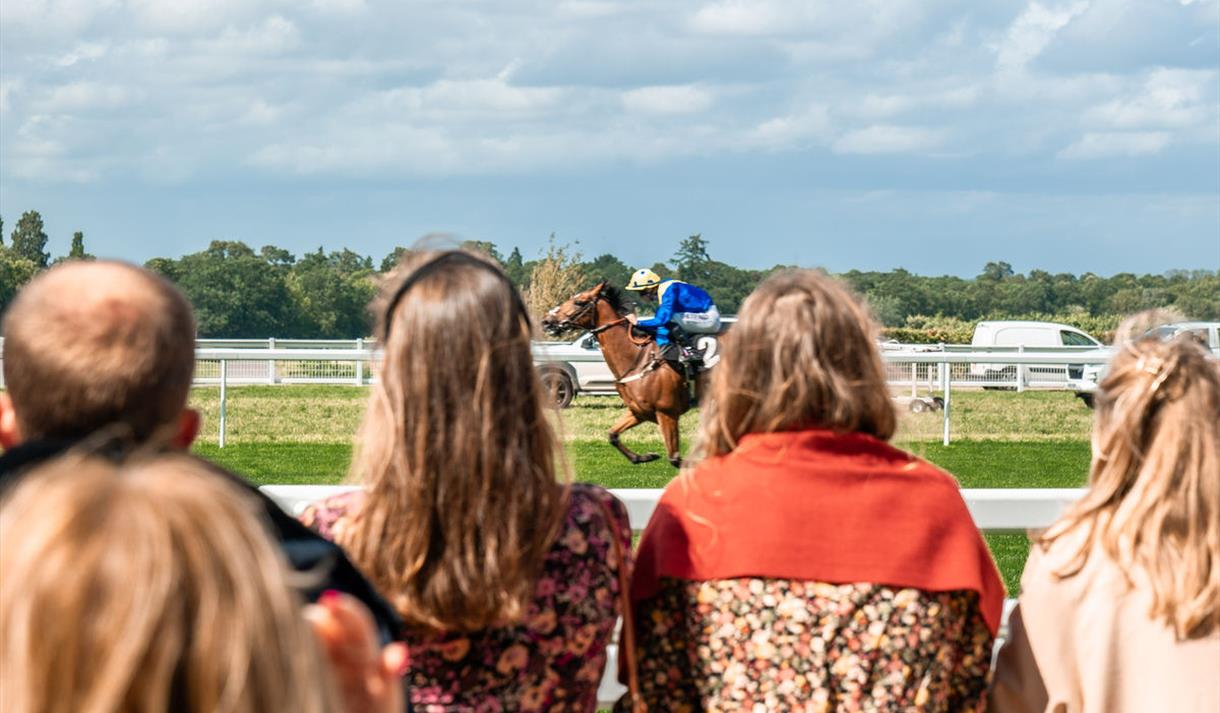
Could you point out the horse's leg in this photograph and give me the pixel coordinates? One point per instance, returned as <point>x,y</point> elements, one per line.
<point>627,422</point>
<point>669,432</point>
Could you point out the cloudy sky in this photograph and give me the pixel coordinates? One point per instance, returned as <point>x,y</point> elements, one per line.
<point>933,135</point>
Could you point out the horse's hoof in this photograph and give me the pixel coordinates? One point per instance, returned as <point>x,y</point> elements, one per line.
<point>646,458</point>
<point>675,462</point>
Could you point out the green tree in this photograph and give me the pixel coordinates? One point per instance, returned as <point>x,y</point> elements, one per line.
<point>996,271</point>
<point>608,268</point>
<point>236,293</point>
<point>331,294</point>
<point>389,262</point>
<point>29,241</point>
<point>488,249</point>
<point>277,257</point>
<point>77,251</point>
<point>15,271</point>
<point>692,259</point>
<point>514,267</point>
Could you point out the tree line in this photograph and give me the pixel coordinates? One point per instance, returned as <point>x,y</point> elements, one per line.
<point>239,291</point>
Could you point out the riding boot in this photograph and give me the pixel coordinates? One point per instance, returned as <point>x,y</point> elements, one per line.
<point>672,353</point>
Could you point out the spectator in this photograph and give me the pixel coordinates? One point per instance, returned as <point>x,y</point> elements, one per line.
<point>154,587</point>
<point>1120,599</point>
<point>105,346</point>
<point>507,579</point>
<point>804,563</point>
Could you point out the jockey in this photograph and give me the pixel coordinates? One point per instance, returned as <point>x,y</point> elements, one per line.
<point>679,304</point>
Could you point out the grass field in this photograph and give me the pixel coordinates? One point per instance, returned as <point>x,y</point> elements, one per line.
<point>302,434</point>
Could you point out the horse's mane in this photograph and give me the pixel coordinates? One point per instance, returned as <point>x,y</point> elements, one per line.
<point>614,298</point>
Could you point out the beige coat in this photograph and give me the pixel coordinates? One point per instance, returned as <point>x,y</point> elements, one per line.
<point>1085,644</point>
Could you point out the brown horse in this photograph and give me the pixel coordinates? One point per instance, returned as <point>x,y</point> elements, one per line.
<point>651,389</point>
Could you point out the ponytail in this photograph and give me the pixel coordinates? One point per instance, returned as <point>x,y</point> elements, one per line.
<point>1153,504</point>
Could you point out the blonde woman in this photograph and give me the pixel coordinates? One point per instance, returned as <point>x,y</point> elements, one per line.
<point>154,587</point>
<point>506,578</point>
<point>1120,599</point>
<point>804,563</point>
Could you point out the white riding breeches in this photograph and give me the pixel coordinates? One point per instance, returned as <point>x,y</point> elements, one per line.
<point>699,322</point>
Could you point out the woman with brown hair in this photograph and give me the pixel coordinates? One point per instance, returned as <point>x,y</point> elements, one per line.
<point>506,577</point>
<point>1120,599</point>
<point>154,587</point>
<point>803,563</point>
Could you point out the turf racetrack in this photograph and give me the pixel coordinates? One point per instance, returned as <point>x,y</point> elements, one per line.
<point>302,435</point>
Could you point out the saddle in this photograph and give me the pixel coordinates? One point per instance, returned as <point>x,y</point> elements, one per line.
<point>690,354</point>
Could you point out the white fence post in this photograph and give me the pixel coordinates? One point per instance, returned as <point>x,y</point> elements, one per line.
<point>946,387</point>
<point>1021,371</point>
<point>224,373</point>
<point>914,380</point>
<point>359,364</point>
<point>271,362</point>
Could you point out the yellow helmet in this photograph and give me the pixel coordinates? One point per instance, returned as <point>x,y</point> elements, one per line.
<point>643,279</point>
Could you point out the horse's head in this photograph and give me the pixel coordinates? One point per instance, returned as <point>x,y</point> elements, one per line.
<point>580,312</point>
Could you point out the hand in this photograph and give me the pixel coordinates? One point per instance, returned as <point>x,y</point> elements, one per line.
<point>369,678</point>
<point>632,318</point>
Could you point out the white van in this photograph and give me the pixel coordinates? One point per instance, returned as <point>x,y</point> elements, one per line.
<point>1032,336</point>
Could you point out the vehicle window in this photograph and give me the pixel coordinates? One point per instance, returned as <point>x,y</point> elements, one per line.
<point>591,343</point>
<point>1075,339</point>
<point>1164,332</point>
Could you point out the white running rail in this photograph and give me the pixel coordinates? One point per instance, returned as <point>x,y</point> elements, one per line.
<point>940,369</point>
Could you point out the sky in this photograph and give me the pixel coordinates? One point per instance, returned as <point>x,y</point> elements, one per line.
<point>1077,136</point>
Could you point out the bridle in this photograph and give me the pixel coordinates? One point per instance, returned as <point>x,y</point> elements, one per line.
<point>590,306</point>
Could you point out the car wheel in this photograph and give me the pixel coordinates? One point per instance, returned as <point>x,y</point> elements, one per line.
<point>1086,398</point>
<point>559,385</point>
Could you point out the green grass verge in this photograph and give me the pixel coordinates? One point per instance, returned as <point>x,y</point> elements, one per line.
<point>976,464</point>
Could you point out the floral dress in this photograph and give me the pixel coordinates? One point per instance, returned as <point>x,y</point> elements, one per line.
<point>781,645</point>
<point>553,659</point>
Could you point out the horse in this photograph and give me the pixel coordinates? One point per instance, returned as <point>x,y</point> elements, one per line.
<point>650,388</point>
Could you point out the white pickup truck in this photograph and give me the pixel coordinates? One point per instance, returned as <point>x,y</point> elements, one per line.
<point>1084,382</point>
<point>570,368</point>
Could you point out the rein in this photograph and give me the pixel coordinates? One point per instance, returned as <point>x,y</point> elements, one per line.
<point>630,331</point>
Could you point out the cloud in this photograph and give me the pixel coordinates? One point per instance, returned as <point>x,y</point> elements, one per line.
<point>668,100</point>
<point>261,113</point>
<point>340,7</point>
<point>808,127</point>
<point>274,35</point>
<point>1169,98</point>
<point>885,139</point>
<point>741,17</point>
<point>1121,144</point>
<point>465,100</point>
<point>1032,31</point>
<point>382,89</point>
<point>8,88</point>
<point>84,96</point>
<point>83,52</point>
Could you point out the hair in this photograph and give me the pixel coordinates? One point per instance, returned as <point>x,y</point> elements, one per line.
<point>803,354</point>
<point>456,453</point>
<point>1153,504</point>
<point>147,588</point>
<point>89,345</point>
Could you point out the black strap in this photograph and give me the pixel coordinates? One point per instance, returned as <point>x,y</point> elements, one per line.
<point>452,256</point>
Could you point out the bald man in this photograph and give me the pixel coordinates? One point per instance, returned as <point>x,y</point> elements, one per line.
<point>100,356</point>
